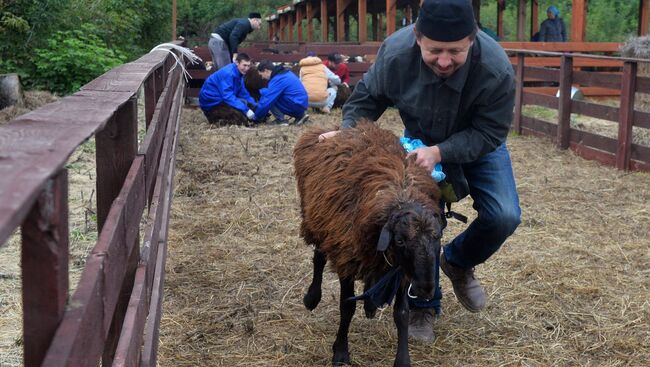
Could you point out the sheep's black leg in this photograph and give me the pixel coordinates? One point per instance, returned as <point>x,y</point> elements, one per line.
<point>368,307</point>
<point>401,317</point>
<point>346,308</point>
<point>313,295</point>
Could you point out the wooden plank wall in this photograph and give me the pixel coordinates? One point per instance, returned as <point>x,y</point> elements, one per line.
<point>620,152</point>
<point>104,319</point>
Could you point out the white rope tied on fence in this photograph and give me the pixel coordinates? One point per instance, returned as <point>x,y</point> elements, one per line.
<point>191,56</point>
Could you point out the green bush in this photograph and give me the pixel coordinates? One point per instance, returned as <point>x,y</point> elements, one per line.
<point>72,59</point>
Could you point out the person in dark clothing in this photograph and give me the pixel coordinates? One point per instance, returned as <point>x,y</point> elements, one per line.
<point>552,29</point>
<point>454,88</point>
<point>285,95</point>
<point>226,38</point>
<point>226,87</point>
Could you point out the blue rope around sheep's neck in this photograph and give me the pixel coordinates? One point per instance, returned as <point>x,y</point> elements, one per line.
<point>413,144</point>
<point>383,292</point>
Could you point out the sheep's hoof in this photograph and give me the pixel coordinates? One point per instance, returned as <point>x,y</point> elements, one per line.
<point>371,310</point>
<point>341,359</point>
<point>311,300</point>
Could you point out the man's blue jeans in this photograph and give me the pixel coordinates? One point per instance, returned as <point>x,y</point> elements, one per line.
<point>492,187</point>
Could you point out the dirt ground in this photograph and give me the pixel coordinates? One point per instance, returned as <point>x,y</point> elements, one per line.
<point>569,288</point>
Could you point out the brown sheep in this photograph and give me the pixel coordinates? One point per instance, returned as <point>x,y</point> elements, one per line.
<point>342,94</point>
<point>360,199</point>
<point>253,82</point>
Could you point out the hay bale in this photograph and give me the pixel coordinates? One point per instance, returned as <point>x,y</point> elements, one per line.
<point>638,47</point>
<point>11,94</point>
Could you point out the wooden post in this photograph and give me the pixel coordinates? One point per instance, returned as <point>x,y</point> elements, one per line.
<point>644,9</point>
<point>324,36</point>
<point>44,263</point>
<point>173,20</point>
<point>476,6</point>
<point>310,25</point>
<point>564,103</point>
<point>150,98</point>
<point>521,21</point>
<point>363,21</point>
<point>289,27</point>
<point>340,15</point>
<point>519,93</point>
<point>282,26</point>
<point>534,17</point>
<point>391,13</point>
<point>116,146</point>
<point>626,116</point>
<point>375,27</point>
<point>501,6</point>
<point>299,16</point>
<point>578,15</point>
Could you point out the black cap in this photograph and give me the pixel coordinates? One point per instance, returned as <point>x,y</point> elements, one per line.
<point>446,20</point>
<point>255,15</point>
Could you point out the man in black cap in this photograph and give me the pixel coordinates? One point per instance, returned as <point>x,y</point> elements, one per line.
<point>454,88</point>
<point>226,38</point>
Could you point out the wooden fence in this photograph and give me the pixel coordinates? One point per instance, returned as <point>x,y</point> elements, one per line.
<point>620,152</point>
<point>114,314</point>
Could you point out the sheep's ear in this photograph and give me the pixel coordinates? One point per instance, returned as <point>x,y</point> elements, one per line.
<point>384,238</point>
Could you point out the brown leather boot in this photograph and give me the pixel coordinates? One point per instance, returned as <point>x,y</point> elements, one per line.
<point>467,288</point>
<point>421,324</point>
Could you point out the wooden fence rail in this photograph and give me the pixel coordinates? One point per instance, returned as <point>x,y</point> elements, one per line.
<point>113,315</point>
<point>620,152</point>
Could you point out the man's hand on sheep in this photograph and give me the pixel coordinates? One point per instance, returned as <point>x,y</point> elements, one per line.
<point>427,157</point>
<point>327,135</point>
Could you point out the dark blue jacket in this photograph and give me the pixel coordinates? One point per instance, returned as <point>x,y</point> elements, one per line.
<point>552,30</point>
<point>225,86</point>
<point>234,32</point>
<point>286,92</point>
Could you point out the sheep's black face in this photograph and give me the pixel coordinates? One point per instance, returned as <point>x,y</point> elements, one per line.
<point>415,232</point>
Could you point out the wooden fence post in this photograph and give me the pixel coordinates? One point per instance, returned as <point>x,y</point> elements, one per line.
<point>150,98</point>
<point>626,116</point>
<point>116,146</point>
<point>564,103</point>
<point>519,92</point>
<point>44,263</point>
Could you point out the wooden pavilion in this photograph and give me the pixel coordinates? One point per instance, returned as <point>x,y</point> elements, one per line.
<point>293,19</point>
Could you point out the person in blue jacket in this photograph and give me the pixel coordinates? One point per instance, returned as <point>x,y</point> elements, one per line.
<point>226,86</point>
<point>285,95</point>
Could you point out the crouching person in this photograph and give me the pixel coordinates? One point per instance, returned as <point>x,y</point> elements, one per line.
<point>285,95</point>
<point>320,83</point>
<point>224,98</point>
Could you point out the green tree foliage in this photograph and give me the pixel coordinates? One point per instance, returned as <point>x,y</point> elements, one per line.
<point>72,59</point>
<point>127,28</point>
